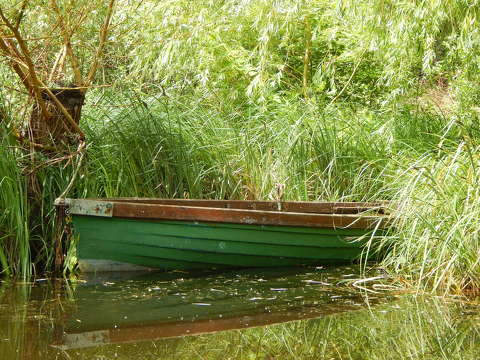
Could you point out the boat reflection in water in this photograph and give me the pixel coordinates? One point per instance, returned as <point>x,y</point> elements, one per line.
<point>161,305</point>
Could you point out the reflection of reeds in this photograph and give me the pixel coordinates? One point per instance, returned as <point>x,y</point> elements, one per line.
<point>14,329</point>
<point>410,328</point>
<point>407,328</point>
<point>30,318</point>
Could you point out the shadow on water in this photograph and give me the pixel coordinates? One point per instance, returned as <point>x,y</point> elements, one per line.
<point>250,314</point>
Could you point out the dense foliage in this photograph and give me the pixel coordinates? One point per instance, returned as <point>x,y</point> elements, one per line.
<point>264,99</point>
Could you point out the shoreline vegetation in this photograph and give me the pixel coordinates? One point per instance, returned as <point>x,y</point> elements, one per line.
<point>267,100</point>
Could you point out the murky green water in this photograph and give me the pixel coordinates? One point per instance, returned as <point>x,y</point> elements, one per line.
<point>310,313</point>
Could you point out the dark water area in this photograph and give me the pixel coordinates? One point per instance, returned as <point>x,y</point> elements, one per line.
<point>291,313</point>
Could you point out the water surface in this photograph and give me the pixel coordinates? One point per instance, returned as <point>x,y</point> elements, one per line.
<point>297,313</point>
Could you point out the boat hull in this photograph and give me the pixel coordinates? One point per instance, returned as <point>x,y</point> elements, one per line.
<point>116,244</point>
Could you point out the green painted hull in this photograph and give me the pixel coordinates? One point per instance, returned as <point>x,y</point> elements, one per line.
<point>167,245</point>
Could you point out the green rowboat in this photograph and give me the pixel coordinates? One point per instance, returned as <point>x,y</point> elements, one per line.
<point>134,234</point>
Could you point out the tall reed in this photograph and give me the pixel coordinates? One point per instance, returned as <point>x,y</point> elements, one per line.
<point>14,211</point>
<point>285,151</point>
<point>228,105</point>
<point>437,245</point>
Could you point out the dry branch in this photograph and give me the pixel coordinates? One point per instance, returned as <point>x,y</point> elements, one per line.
<point>52,115</point>
<point>58,65</point>
<point>6,50</point>
<point>101,45</point>
<point>67,35</point>
<point>25,56</point>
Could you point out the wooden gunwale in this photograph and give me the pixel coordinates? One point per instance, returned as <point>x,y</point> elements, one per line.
<point>158,211</point>
<point>285,206</point>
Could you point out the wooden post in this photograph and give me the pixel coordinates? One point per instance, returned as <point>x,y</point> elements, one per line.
<point>59,237</point>
<point>56,130</point>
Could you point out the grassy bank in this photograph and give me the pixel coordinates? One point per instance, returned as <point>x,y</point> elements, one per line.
<point>290,151</point>
<point>425,162</point>
<point>280,100</point>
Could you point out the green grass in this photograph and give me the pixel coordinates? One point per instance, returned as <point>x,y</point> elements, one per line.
<point>14,212</point>
<point>437,243</point>
<point>26,225</point>
<point>225,105</point>
<point>290,149</point>
<point>285,151</point>
<point>144,146</point>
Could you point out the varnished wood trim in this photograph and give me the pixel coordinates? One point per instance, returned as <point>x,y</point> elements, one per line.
<point>287,206</point>
<point>240,216</point>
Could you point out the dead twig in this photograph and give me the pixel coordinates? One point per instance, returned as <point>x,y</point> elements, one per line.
<point>50,162</point>
<point>80,151</point>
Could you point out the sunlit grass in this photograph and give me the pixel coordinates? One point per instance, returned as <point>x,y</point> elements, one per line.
<point>222,103</point>
<point>14,211</point>
<point>285,152</point>
<point>147,147</point>
<point>437,245</point>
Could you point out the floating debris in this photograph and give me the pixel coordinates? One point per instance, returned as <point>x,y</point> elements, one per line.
<point>316,282</point>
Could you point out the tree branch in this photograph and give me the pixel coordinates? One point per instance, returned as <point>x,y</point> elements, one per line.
<point>21,14</point>
<point>35,82</point>
<point>58,64</point>
<point>101,45</point>
<point>7,51</point>
<point>67,35</point>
